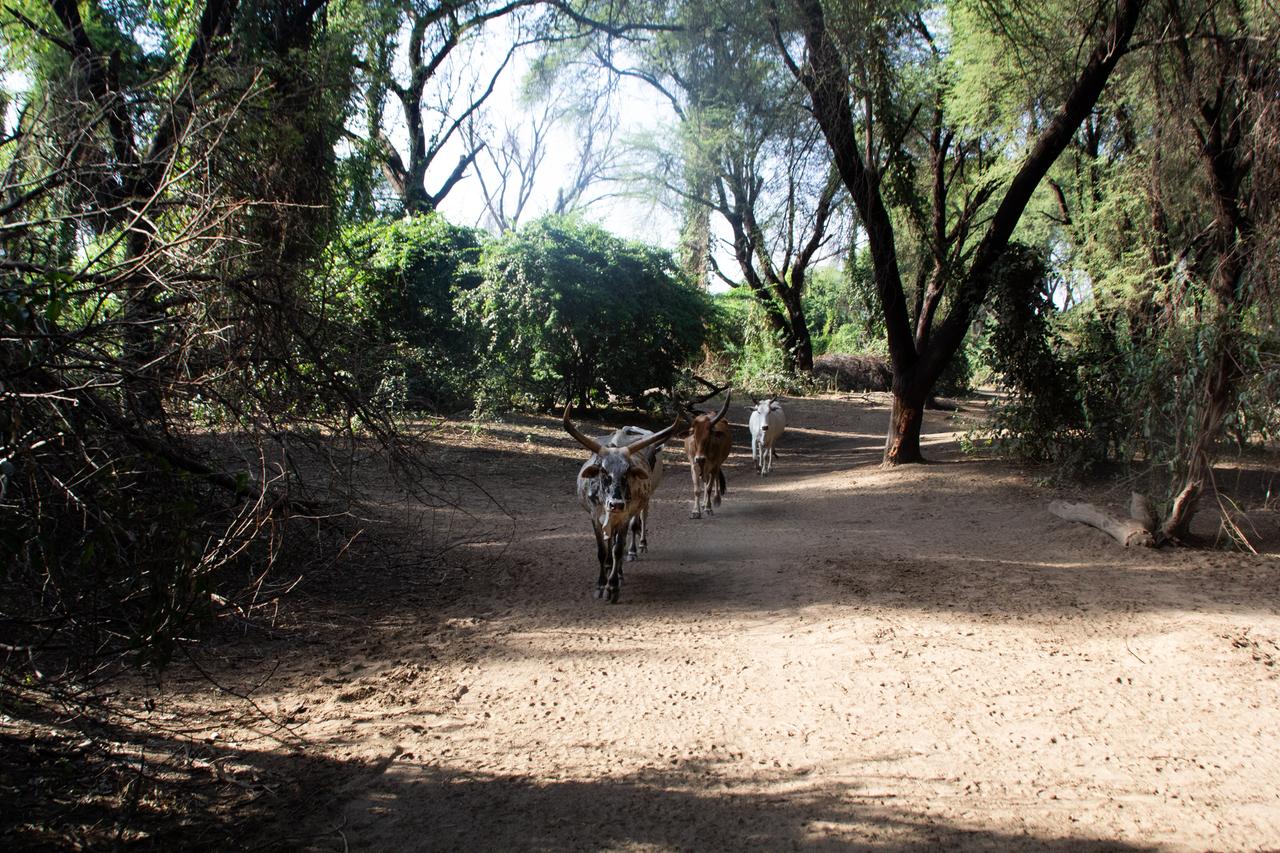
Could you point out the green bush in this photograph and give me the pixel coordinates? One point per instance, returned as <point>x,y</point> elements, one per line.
<point>566,308</point>
<point>841,309</point>
<point>1043,415</point>
<point>1115,381</point>
<point>398,281</point>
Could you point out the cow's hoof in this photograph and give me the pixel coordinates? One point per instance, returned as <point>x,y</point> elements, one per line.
<point>599,592</point>
<point>613,595</point>
<point>710,511</point>
<point>717,502</point>
<point>631,556</point>
<point>695,515</point>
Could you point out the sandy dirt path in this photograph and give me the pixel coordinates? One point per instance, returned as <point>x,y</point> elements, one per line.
<point>843,657</point>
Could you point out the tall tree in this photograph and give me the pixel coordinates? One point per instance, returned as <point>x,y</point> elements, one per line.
<point>843,54</point>
<point>425,64</point>
<point>747,151</point>
<point>1222,84</point>
<point>513,171</point>
<point>1174,223</point>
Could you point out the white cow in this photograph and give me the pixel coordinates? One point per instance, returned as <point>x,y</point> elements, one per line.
<point>768,422</point>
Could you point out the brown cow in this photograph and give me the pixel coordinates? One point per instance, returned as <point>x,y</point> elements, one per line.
<point>707,447</point>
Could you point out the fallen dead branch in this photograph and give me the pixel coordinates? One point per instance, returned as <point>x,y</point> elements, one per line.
<point>1136,529</point>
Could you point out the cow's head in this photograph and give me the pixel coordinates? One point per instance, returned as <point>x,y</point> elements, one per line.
<point>614,470</point>
<point>697,445</point>
<point>614,476</point>
<point>766,405</point>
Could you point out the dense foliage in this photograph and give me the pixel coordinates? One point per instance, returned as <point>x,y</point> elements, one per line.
<point>1042,416</point>
<point>397,282</point>
<point>167,190</point>
<point>1163,228</point>
<point>568,311</point>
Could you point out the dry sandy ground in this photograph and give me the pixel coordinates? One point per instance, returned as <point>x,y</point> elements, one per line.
<point>842,657</point>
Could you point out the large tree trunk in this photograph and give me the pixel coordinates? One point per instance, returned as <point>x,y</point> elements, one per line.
<point>902,444</point>
<point>804,350</point>
<point>694,249</point>
<point>799,343</point>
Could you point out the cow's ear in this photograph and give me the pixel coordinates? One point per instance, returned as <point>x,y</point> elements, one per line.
<point>590,471</point>
<point>639,473</point>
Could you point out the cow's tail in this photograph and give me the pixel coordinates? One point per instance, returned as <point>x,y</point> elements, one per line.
<point>723,485</point>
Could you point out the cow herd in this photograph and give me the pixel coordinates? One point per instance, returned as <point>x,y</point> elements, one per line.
<point>625,468</point>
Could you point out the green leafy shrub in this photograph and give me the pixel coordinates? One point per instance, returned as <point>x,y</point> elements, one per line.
<point>565,308</point>
<point>840,306</point>
<point>1042,416</point>
<point>398,280</point>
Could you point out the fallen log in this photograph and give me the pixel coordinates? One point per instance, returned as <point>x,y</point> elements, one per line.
<point>1127,531</point>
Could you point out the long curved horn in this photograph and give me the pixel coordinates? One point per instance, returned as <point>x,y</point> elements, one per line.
<point>649,441</point>
<point>589,443</point>
<point>723,409</point>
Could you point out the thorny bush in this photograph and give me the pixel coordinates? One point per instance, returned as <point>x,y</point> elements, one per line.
<point>163,364</point>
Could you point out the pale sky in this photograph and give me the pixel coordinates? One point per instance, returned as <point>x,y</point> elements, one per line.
<point>640,110</point>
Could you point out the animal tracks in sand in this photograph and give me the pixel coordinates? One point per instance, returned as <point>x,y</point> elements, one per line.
<point>843,656</point>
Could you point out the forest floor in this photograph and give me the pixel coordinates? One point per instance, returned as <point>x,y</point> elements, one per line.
<point>842,657</point>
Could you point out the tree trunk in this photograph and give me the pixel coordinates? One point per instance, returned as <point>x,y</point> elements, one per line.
<point>902,445</point>
<point>799,343</point>
<point>694,248</point>
<point>1218,393</point>
<point>804,350</point>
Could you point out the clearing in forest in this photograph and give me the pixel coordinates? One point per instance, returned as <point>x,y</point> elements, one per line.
<point>843,656</point>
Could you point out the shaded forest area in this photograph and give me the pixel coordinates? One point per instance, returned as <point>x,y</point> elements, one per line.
<point>236,301</point>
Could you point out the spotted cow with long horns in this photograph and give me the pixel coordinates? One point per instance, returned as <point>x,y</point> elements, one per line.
<point>614,486</point>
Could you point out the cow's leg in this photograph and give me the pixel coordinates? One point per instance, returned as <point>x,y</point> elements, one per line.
<point>644,530</point>
<point>709,492</point>
<point>633,535</point>
<point>715,485</point>
<point>757,455</point>
<point>615,576</point>
<point>602,552</point>
<point>697,492</point>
